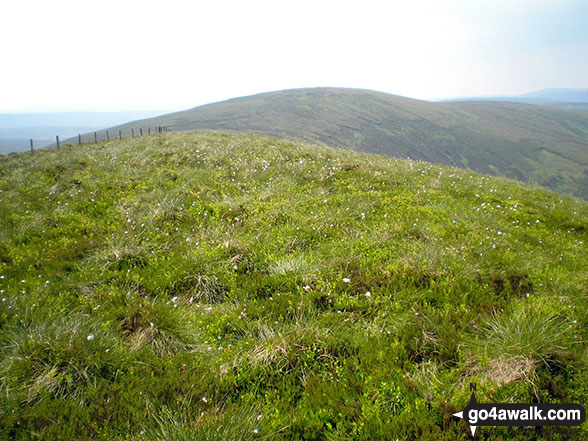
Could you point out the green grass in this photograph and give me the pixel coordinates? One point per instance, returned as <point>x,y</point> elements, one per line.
<point>216,286</point>
<point>537,144</point>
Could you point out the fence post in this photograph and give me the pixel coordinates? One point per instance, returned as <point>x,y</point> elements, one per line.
<point>95,139</point>
<point>133,133</point>
<point>79,139</point>
<point>141,131</point>
<point>148,131</point>
<point>119,135</point>
<point>107,136</point>
<point>32,147</point>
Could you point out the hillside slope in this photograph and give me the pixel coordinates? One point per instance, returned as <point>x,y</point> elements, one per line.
<point>542,145</point>
<point>215,286</point>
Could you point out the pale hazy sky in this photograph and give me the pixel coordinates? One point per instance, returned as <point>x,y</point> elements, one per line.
<point>143,54</point>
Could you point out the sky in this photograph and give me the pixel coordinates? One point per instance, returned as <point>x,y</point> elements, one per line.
<point>130,55</point>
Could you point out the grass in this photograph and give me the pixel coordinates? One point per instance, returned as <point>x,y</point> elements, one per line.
<point>179,286</point>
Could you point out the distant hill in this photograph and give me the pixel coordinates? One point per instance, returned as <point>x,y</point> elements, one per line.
<point>570,99</point>
<point>542,145</point>
<point>560,95</point>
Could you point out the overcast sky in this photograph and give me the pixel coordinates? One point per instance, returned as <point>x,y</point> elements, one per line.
<point>142,54</point>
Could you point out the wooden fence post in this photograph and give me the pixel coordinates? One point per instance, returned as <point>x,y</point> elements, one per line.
<point>141,131</point>
<point>133,133</point>
<point>79,139</point>
<point>119,135</point>
<point>32,147</point>
<point>107,136</point>
<point>57,139</point>
<point>95,139</point>
<point>148,131</point>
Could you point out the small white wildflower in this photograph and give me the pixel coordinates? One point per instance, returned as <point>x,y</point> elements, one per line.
<point>175,299</point>
<point>367,294</point>
<point>260,416</point>
<point>306,288</point>
<point>22,281</point>
<point>235,267</point>
<point>205,399</point>
<point>255,431</point>
<point>90,337</point>
<point>152,324</point>
<point>346,280</point>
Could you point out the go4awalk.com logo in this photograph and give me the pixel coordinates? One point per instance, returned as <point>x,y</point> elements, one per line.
<point>523,415</point>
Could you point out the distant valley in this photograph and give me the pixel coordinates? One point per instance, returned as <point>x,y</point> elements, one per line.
<point>16,129</point>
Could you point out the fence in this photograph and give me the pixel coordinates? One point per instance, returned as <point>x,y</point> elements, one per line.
<point>104,135</point>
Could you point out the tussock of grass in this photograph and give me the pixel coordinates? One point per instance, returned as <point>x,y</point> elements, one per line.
<point>515,343</point>
<point>241,424</point>
<point>57,356</point>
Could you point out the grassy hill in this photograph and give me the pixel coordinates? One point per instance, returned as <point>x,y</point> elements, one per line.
<point>542,145</point>
<point>209,286</point>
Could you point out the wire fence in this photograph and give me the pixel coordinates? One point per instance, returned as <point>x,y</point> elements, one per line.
<point>103,135</point>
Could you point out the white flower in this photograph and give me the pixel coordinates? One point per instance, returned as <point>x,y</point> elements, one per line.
<point>255,431</point>
<point>90,337</point>
<point>175,299</point>
<point>346,280</point>
<point>306,288</point>
<point>260,416</point>
<point>367,294</point>
<point>205,399</point>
